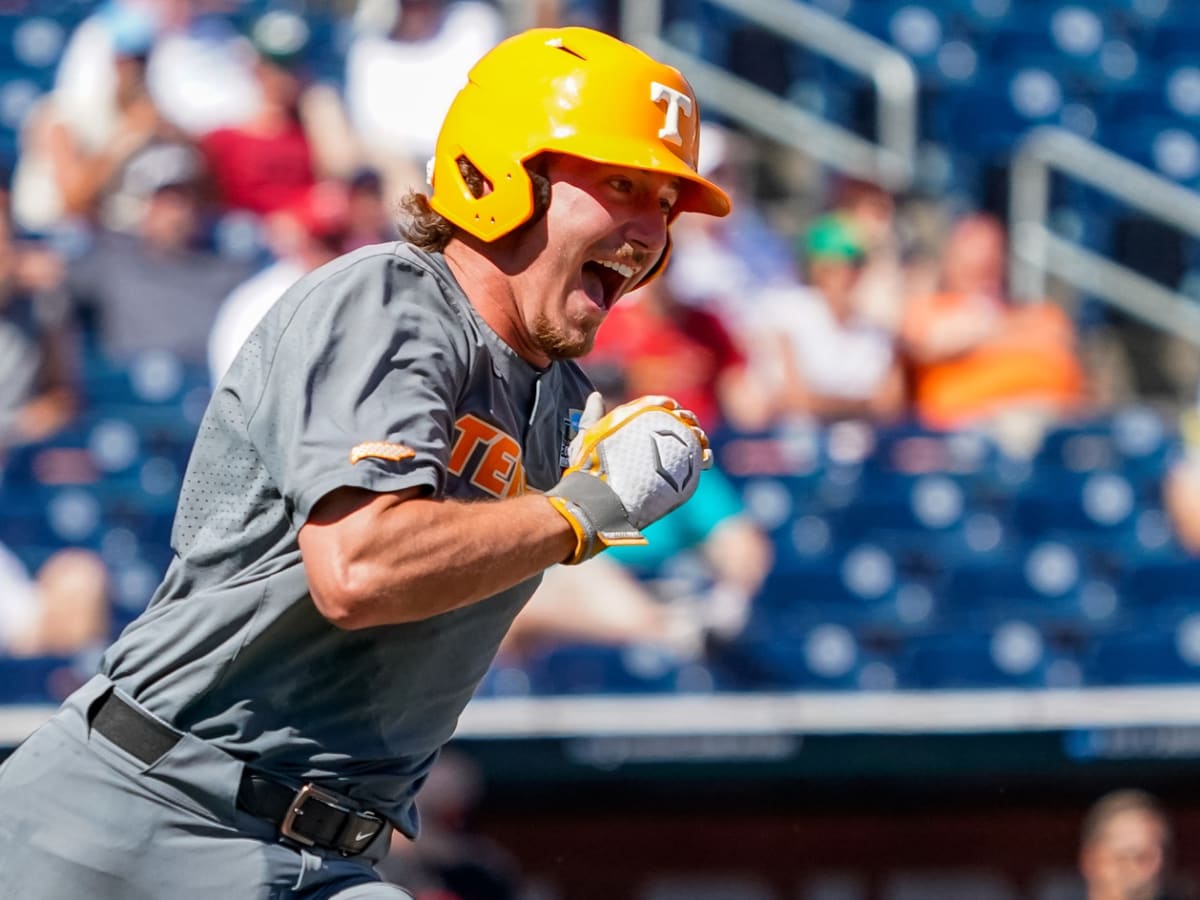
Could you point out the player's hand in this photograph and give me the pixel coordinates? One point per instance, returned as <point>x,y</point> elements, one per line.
<point>627,469</point>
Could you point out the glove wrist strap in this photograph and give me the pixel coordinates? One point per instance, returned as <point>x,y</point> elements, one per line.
<point>595,513</point>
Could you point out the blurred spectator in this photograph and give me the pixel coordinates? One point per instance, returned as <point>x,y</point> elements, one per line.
<point>1181,486</point>
<point>888,276</point>
<point>73,152</point>
<point>725,264</point>
<point>662,346</point>
<point>264,162</point>
<point>597,602</point>
<point>819,358</point>
<point>198,66</point>
<point>369,220</point>
<point>154,290</point>
<point>976,360</point>
<point>61,612</point>
<point>307,233</point>
<point>628,595</point>
<point>1125,848</point>
<point>451,860</point>
<point>38,350</point>
<point>407,62</point>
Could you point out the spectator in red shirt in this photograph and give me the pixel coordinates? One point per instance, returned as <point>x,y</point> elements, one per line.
<point>662,346</point>
<point>267,162</point>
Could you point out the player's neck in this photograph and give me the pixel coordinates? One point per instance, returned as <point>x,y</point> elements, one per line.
<point>490,291</point>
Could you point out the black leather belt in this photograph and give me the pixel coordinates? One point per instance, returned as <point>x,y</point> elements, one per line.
<point>310,816</point>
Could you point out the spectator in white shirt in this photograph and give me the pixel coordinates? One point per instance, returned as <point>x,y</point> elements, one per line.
<point>820,359</point>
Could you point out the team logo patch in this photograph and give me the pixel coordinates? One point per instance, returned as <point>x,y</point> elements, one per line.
<point>381,450</point>
<point>570,428</point>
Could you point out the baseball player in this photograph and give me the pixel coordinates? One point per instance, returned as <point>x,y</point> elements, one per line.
<point>402,446</point>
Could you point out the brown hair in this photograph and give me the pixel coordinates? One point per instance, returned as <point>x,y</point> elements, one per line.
<point>426,229</point>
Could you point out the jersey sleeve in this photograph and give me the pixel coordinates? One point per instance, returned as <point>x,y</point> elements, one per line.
<point>362,370</point>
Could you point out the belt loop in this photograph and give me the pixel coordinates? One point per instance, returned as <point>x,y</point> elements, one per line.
<point>131,728</point>
<point>93,707</point>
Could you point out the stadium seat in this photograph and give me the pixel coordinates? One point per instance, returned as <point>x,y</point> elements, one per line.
<point>989,120</point>
<point>1175,36</point>
<point>1048,583</point>
<point>1013,654</point>
<point>859,584</point>
<point>1147,655</point>
<point>595,669</point>
<point>825,655</point>
<point>1153,585</point>
<point>39,679</point>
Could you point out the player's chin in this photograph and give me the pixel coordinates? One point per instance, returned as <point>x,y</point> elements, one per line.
<point>569,341</point>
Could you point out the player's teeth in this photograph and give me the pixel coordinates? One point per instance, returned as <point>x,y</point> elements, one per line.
<point>624,271</point>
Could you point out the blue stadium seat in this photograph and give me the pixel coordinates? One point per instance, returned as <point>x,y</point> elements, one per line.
<point>924,504</point>
<point>594,669</point>
<point>153,378</point>
<point>1147,655</point>
<point>1141,101</point>
<point>860,584</point>
<point>1091,504</point>
<point>1048,583</point>
<point>32,42</point>
<point>39,679</point>
<point>1015,654</point>
<point>1175,36</point>
<point>987,122</point>
<point>828,655</point>
<point>1168,145</point>
<point>1154,584</point>
<point>52,516</point>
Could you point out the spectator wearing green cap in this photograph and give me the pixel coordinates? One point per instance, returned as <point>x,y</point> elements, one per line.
<point>820,358</point>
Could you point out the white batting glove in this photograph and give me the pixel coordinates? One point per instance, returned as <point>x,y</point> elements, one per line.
<point>627,469</point>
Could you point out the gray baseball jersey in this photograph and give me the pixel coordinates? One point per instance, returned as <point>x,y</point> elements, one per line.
<point>373,372</point>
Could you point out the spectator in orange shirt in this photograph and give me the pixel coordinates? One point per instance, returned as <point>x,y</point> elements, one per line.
<point>978,361</point>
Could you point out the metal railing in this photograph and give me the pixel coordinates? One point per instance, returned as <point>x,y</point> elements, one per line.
<point>1038,253</point>
<point>889,162</point>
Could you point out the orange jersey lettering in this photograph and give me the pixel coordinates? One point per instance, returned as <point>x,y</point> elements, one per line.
<point>497,469</point>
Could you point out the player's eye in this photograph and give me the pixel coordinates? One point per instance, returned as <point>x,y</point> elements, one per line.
<point>621,184</point>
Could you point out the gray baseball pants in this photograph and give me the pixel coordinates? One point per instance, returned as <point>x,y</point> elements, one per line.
<point>80,817</point>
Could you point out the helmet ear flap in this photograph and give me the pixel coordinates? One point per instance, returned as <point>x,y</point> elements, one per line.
<point>507,192</point>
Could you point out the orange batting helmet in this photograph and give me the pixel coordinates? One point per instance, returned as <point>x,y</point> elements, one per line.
<point>566,90</point>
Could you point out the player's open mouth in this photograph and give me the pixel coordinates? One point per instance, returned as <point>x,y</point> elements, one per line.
<point>609,277</point>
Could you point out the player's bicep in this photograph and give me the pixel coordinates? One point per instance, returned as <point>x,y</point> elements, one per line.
<point>342,537</point>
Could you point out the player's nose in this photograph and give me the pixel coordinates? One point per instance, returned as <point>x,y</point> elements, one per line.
<point>648,229</point>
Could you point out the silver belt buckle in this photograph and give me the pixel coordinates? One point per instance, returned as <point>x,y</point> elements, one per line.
<point>287,828</point>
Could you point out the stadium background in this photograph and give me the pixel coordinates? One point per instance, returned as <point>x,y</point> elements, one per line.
<point>946,664</point>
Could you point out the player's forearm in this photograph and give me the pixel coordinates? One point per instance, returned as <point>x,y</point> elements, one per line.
<point>392,560</point>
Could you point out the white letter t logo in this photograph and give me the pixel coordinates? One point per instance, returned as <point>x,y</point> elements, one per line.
<point>676,102</point>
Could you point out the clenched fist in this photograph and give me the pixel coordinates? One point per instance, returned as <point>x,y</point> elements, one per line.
<point>627,469</point>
